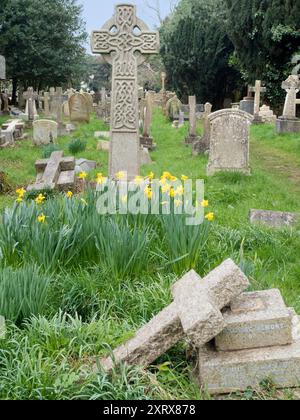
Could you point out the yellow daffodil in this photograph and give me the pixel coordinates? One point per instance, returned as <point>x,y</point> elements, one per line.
<point>204,203</point>
<point>210,217</point>
<point>166,175</point>
<point>69,194</point>
<point>184,178</point>
<point>100,179</point>
<point>40,199</point>
<point>148,192</point>
<point>21,192</point>
<point>120,175</point>
<point>41,218</point>
<point>151,176</point>
<point>19,200</point>
<point>179,190</point>
<point>166,188</point>
<point>173,178</point>
<point>124,199</point>
<point>82,175</point>
<point>178,203</point>
<point>138,180</point>
<point>163,181</point>
<point>172,193</point>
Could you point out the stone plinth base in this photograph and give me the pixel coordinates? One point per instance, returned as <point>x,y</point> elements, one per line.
<point>211,170</point>
<point>147,142</point>
<point>284,125</point>
<point>226,372</point>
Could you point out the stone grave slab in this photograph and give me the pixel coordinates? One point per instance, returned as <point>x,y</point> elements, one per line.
<point>275,219</point>
<point>57,172</point>
<point>13,130</point>
<point>254,320</point>
<point>227,372</point>
<point>194,313</point>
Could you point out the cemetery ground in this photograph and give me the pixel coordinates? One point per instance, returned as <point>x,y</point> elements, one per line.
<point>90,293</point>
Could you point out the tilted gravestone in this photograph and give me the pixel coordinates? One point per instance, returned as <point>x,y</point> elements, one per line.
<point>79,108</point>
<point>124,42</point>
<point>55,173</point>
<point>202,145</point>
<point>229,133</point>
<point>44,132</point>
<point>192,137</point>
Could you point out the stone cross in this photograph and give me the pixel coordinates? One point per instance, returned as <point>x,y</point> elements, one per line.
<point>163,81</point>
<point>55,172</point>
<point>45,98</point>
<point>125,41</point>
<point>257,89</point>
<point>30,97</point>
<point>292,87</point>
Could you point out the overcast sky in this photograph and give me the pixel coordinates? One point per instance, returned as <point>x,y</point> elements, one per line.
<point>97,12</point>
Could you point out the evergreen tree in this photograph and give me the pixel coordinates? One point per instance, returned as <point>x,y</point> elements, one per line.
<point>42,41</point>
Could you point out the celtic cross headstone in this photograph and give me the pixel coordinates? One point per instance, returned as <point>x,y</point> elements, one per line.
<point>125,41</point>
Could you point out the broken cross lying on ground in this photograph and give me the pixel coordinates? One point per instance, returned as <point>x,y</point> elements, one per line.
<point>195,313</point>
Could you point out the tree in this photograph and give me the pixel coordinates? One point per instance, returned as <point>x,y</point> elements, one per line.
<point>43,42</point>
<point>266,35</point>
<point>196,51</point>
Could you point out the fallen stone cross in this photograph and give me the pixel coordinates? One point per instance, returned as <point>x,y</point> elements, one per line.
<point>58,173</point>
<point>194,313</point>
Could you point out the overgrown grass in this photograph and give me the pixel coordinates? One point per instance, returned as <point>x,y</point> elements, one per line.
<point>110,275</point>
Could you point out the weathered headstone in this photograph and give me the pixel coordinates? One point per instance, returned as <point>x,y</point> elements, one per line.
<point>55,173</point>
<point>260,342</point>
<point>45,99</point>
<point>79,108</point>
<point>192,138</point>
<point>203,145</point>
<point>44,132</point>
<point>288,122</point>
<point>89,99</point>
<point>173,107</point>
<point>124,42</point>
<point>267,115</point>
<point>229,141</point>
<point>195,313</point>
<point>181,119</point>
<point>146,140</point>
<point>247,104</point>
<point>58,98</point>
<point>5,102</point>
<point>275,219</point>
<point>85,165</point>
<point>30,111</point>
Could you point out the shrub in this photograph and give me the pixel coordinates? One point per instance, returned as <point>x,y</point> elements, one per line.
<point>77,146</point>
<point>49,149</point>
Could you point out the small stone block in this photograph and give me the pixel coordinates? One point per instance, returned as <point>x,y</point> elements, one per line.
<point>254,320</point>
<point>227,372</point>
<point>66,181</point>
<point>275,219</point>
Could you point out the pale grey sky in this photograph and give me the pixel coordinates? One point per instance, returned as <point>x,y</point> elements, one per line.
<point>97,12</point>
